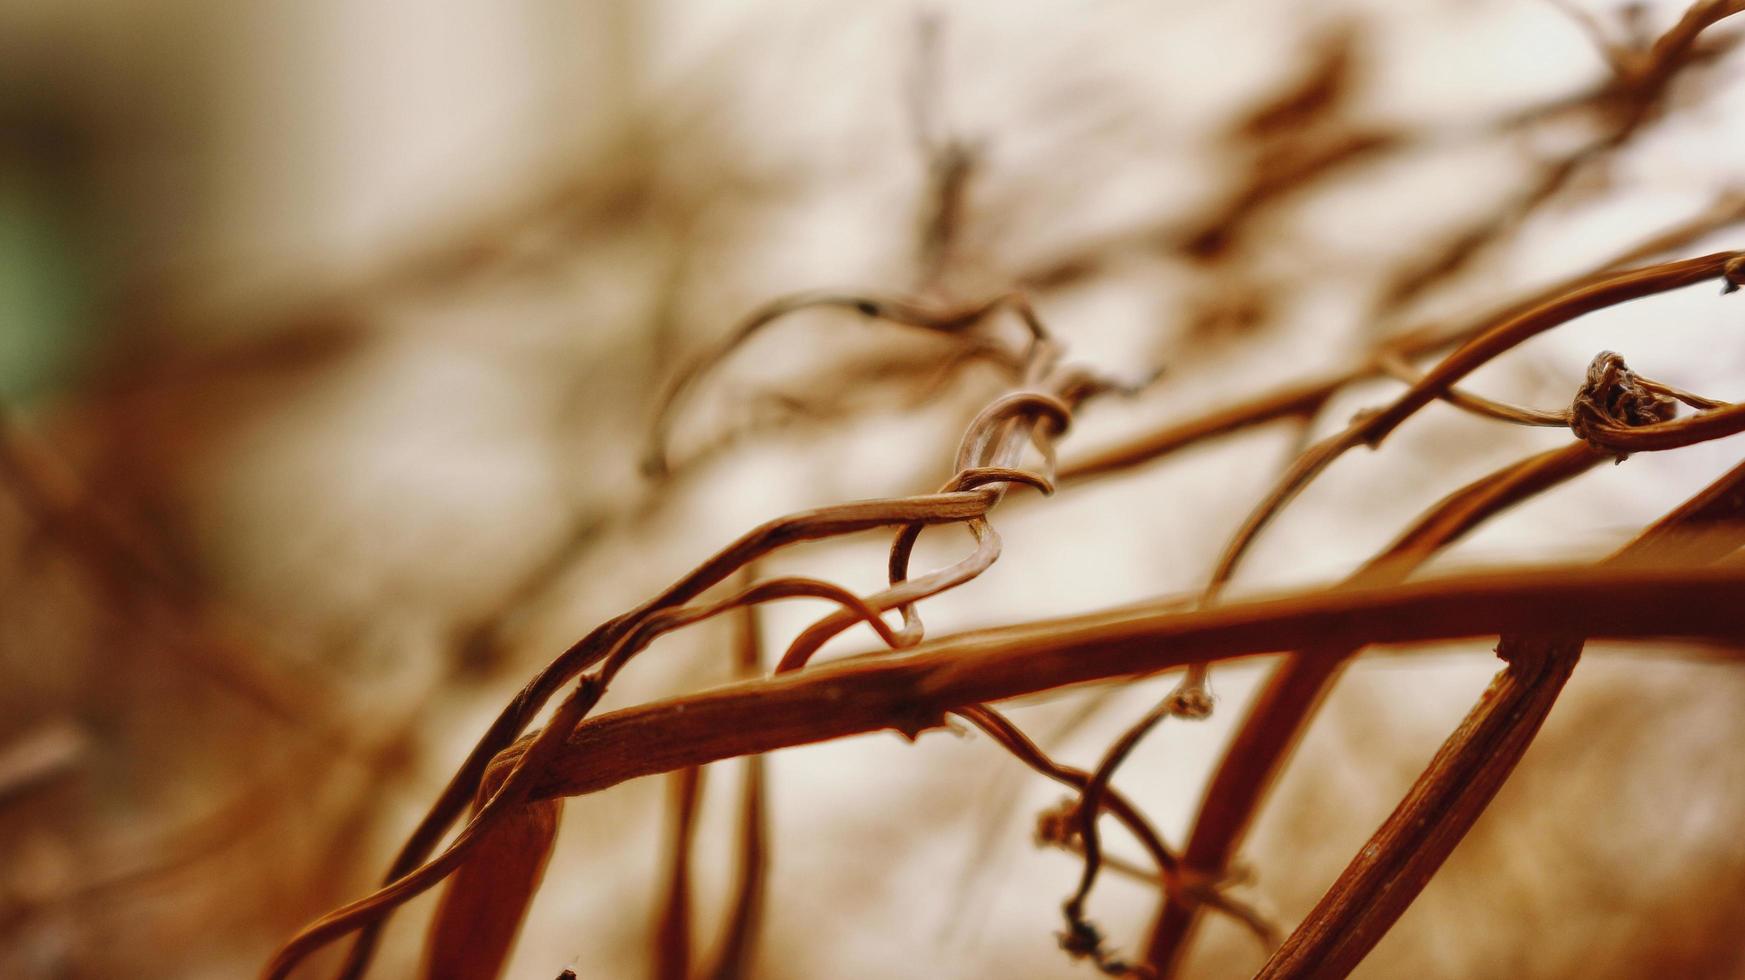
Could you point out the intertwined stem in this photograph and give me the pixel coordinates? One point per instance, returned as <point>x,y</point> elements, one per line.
<point>1469,768</point>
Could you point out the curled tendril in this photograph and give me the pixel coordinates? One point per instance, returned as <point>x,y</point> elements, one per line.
<point>1615,396</point>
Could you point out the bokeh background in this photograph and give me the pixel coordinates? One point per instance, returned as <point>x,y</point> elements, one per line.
<point>331,335</point>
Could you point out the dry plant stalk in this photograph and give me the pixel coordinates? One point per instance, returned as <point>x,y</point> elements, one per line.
<point>1679,580</point>
<point>1472,765</point>
<point>912,693</point>
<point>482,908</point>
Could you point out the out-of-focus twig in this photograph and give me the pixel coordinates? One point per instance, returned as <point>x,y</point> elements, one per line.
<point>1624,103</point>
<point>124,568</point>
<point>738,951</point>
<point>671,959</point>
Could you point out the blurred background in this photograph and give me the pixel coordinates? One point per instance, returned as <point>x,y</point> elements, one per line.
<point>331,336</point>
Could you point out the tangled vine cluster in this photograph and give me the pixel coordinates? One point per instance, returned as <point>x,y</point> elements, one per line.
<point>1660,585</point>
<point>486,840</point>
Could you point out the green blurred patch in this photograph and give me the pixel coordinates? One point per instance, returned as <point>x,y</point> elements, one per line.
<point>45,291</point>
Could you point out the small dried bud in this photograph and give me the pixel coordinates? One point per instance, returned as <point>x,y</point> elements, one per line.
<point>1082,940</point>
<point>1614,396</point>
<point>1058,826</point>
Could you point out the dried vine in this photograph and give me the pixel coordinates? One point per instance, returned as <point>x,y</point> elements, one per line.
<point>1674,582</point>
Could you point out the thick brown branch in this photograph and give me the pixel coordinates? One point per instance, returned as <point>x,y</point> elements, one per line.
<point>911,692</point>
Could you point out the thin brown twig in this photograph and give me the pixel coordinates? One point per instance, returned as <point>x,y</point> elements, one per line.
<point>1013,740</point>
<point>911,693</point>
<point>1299,398</point>
<point>738,949</point>
<point>1610,290</point>
<point>1471,766</point>
<point>898,311</point>
<point>950,160</point>
<point>1082,938</point>
<point>1168,876</point>
<point>803,526</point>
<point>1398,369</point>
<point>1291,695</point>
<point>672,933</point>
<point>993,437</point>
<point>1372,427</point>
<point>1597,425</point>
<point>1625,102</point>
<point>512,792</point>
